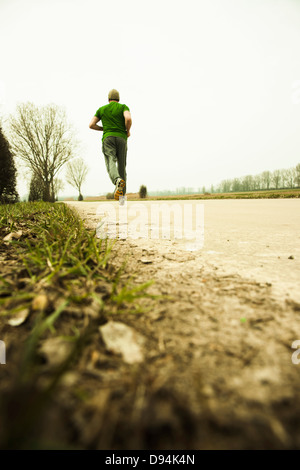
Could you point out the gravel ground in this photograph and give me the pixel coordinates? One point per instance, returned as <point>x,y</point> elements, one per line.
<point>218,338</point>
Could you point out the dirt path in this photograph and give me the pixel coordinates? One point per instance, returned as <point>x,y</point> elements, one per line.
<point>218,355</point>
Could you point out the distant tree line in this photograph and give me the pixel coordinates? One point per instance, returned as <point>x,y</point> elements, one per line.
<point>177,191</point>
<point>278,179</point>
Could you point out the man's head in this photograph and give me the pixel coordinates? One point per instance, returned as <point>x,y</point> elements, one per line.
<point>113,95</point>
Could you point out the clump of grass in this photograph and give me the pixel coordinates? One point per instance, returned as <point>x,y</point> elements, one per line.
<point>54,250</point>
<point>55,241</point>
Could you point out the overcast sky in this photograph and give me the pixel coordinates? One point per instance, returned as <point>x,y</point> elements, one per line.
<point>213,85</point>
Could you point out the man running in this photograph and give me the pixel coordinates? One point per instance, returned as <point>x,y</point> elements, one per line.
<point>116,121</point>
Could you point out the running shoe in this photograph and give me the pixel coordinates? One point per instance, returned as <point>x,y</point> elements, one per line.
<point>120,184</point>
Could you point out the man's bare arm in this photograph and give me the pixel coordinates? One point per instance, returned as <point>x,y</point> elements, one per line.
<point>93,124</point>
<point>128,122</point>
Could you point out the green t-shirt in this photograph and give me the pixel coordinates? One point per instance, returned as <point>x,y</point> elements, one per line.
<point>113,120</point>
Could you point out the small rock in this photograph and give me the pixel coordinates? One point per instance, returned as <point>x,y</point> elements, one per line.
<point>19,318</point>
<point>12,235</point>
<point>55,350</point>
<point>121,339</point>
<point>146,261</point>
<point>40,302</point>
<point>291,257</point>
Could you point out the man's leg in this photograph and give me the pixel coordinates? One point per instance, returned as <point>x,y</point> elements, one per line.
<point>122,157</point>
<point>109,149</point>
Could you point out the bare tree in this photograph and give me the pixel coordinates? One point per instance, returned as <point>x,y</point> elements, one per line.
<point>226,186</point>
<point>43,139</point>
<point>76,174</point>
<point>284,177</point>
<point>236,185</point>
<point>290,177</point>
<point>256,182</point>
<point>266,179</point>
<point>276,178</point>
<point>297,177</point>
<point>58,185</point>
